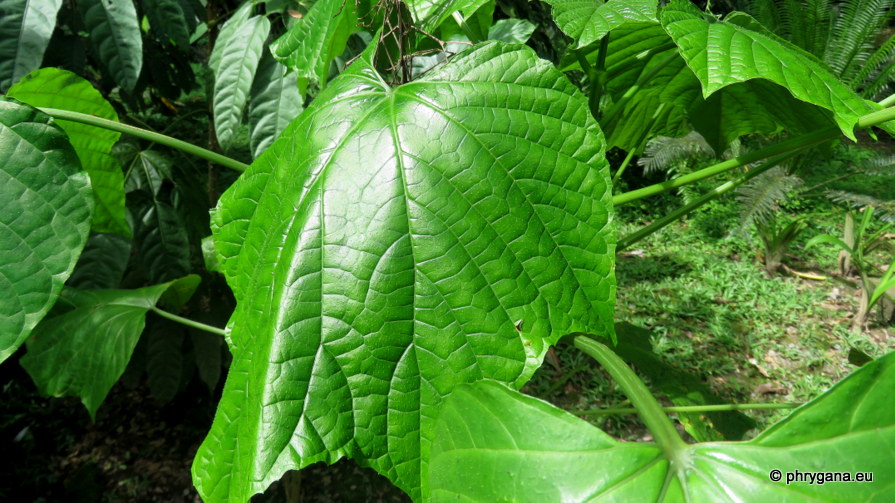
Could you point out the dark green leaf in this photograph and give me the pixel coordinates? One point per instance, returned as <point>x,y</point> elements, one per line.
<point>25,30</point>
<point>45,211</point>
<point>115,34</point>
<point>207,351</point>
<point>313,42</point>
<point>162,244</point>
<point>164,358</point>
<point>275,102</point>
<point>148,170</point>
<point>83,351</point>
<point>102,263</point>
<point>168,20</point>
<point>54,88</point>
<point>382,252</point>
<point>527,450</point>
<point>234,61</point>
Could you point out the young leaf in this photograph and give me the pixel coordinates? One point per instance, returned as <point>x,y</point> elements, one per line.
<point>587,21</point>
<point>275,102</point>
<point>167,19</point>
<point>115,34</point>
<point>55,88</point>
<point>528,450</point>
<point>83,351</point>
<point>25,30</point>
<point>429,14</point>
<point>45,211</point>
<point>511,31</point>
<point>236,59</point>
<point>314,41</point>
<point>148,170</point>
<point>383,250</point>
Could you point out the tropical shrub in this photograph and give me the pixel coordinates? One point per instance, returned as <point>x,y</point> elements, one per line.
<point>407,249</point>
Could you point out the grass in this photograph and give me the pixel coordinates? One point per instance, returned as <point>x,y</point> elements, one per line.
<point>714,313</point>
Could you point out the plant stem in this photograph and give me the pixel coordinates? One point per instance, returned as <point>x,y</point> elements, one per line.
<point>188,148</point>
<point>461,21</point>
<point>792,145</point>
<point>188,322</point>
<point>648,408</point>
<point>621,169</point>
<point>705,198</point>
<point>691,408</point>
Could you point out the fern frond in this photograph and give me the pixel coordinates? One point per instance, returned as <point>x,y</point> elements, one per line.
<point>880,57</point>
<point>762,196</point>
<point>885,209</point>
<point>853,35</point>
<point>662,153</point>
<point>768,13</point>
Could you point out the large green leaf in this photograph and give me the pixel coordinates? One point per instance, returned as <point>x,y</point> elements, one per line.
<point>275,101</point>
<point>55,88</point>
<point>587,21</point>
<point>164,358</point>
<point>667,63</point>
<point>527,450</point>
<point>721,54</point>
<point>313,42</point>
<point>25,30</point>
<point>115,34</point>
<point>234,61</point>
<point>84,350</point>
<point>45,210</point>
<point>385,250</point>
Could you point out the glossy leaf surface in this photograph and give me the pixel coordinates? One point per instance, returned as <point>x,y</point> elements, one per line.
<point>45,210</point>
<point>587,21</point>
<point>429,14</point>
<point>234,62</point>
<point>115,33</point>
<point>85,349</point>
<point>275,102</point>
<point>384,250</point>
<point>528,450</point>
<point>721,54</point>
<point>25,30</point>
<point>314,41</point>
<point>55,88</point>
<point>722,77</point>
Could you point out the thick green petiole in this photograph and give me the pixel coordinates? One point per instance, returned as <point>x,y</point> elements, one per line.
<point>727,407</point>
<point>648,408</point>
<point>187,148</point>
<point>676,215</point>
<point>189,322</point>
<point>792,145</point>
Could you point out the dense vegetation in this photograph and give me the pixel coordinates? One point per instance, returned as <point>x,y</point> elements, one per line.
<point>313,232</point>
